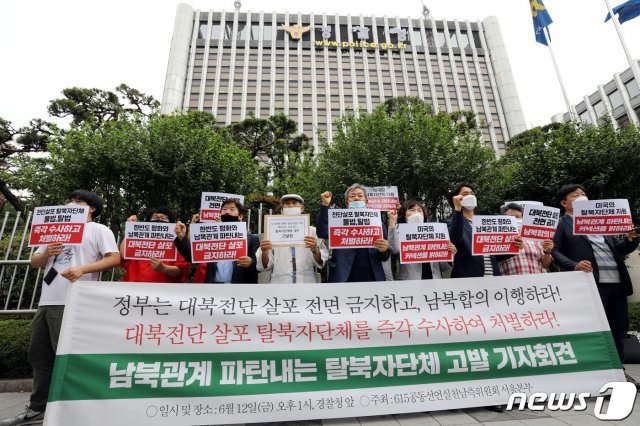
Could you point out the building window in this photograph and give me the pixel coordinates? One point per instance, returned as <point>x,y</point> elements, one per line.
<point>632,88</point>
<point>584,117</point>
<point>228,31</point>
<point>417,38</point>
<point>440,40</point>
<point>255,32</point>
<point>476,39</point>
<point>599,109</point>
<point>204,31</point>
<point>267,32</point>
<point>430,40</point>
<point>616,99</point>
<point>464,40</point>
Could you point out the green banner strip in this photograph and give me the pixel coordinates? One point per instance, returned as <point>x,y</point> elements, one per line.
<point>87,376</point>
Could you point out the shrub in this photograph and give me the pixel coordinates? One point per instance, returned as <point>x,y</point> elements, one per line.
<point>14,349</point>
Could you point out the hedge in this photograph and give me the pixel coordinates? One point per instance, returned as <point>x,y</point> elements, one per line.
<point>14,349</point>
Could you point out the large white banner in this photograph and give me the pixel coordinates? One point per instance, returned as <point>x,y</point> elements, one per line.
<point>173,354</point>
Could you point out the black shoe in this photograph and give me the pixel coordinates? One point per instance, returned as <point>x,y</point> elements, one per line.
<point>496,408</point>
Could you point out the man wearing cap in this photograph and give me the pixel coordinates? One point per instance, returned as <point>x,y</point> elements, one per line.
<point>292,265</point>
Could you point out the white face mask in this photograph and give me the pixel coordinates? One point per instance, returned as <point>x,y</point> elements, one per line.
<point>357,205</point>
<point>581,198</point>
<point>469,202</point>
<point>415,218</point>
<point>291,210</point>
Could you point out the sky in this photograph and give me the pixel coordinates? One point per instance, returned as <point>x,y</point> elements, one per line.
<point>46,46</point>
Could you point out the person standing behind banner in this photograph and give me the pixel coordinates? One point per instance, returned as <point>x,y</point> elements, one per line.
<point>601,255</point>
<point>535,255</point>
<point>64,264</point>
<point>293,265</point>
<point>154,270</point>
<point>414,212</point>
<point>463,200</point>
<point>241,271</point>
<point>354,264</point>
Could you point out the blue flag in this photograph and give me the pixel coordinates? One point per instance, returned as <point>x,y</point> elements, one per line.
<point>541,20</point>
<point>626,11</point>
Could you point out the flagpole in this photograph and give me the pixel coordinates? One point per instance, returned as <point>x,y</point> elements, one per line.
<point>570,109</point>
<point>633,64</point>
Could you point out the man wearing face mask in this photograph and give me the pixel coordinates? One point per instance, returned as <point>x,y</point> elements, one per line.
<point>601,255</point>
<point>353,265</point>
<point>293,265</point>
<point>241,271</point>
<point>154,270</point>
<point>414,212</point>
<point>63,265</point>
<point>463,200</point>
<point>534,257</point>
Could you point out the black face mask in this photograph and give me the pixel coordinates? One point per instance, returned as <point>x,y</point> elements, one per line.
<point>229,218</point>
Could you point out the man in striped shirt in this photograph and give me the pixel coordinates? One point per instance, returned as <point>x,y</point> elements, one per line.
<point>535,256</point>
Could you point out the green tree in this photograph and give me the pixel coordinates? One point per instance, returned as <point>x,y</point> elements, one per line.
<point>539,161</point>
<point>136,165</point>
<point>403,143</point>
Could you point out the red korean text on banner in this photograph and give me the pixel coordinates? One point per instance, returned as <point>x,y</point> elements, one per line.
<point>493,235</point>
<point>211,204</point>
<point>150,240</point>
<point>215,242</point>
<point>58,224</point>
<point>539,222</point>
<point>424,242</point>
<point>601,217</point>
<point>354,228</point>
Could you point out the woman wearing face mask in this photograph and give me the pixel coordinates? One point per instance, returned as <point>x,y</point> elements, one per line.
<point>414,212</point>
<point>293,265</point>
<point>241,271</point>
<point>353,265</point>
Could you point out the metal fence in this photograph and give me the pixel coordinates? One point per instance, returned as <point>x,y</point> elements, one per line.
<point>20,283</point>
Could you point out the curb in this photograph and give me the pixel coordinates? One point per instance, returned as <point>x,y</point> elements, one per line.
<point>20,385</point>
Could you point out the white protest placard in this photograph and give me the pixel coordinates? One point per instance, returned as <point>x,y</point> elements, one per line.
<point>494,235</point>
<point>214,242</point>
<point>58,224</point>
<point>147,240</point>
<point>211,203</point>
<point>384,198</point>
<point>354,228</point>
<point>165,354</point>
<point>286,230</point>
<point>539,222</point>
<point>424,242</point>
<point>601,217</point>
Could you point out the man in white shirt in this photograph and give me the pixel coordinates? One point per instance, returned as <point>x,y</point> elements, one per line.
<point>293,265</point>
<point>63,265</point>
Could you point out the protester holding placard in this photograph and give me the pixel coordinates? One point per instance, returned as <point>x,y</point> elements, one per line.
<point>353,264</point>
<point>535,255</point>
<point>463,200</point>
<point>241,271</point>
<point>601,255</point>
<point>63,265</point>
<point>154,270</point>
<point>414,212</point>
<point>293,264</point>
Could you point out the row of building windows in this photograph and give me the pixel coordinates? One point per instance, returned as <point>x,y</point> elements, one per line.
<point>615,99</point>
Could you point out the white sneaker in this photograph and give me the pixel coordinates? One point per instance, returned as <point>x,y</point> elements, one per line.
<point>29,417</point>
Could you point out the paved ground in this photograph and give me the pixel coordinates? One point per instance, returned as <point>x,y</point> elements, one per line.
<point>12,403</point>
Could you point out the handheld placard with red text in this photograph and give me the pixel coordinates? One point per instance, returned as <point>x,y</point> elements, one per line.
<point>601,217</point>
<point>58,224</point>
<point>211,203</point>
<point>384,198</point>
<point>424,242</point>
<point>147,240</point>
<point>494,235</point>
<point>215,242</point>
<point>539,222</point>
<point>354,228</point>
